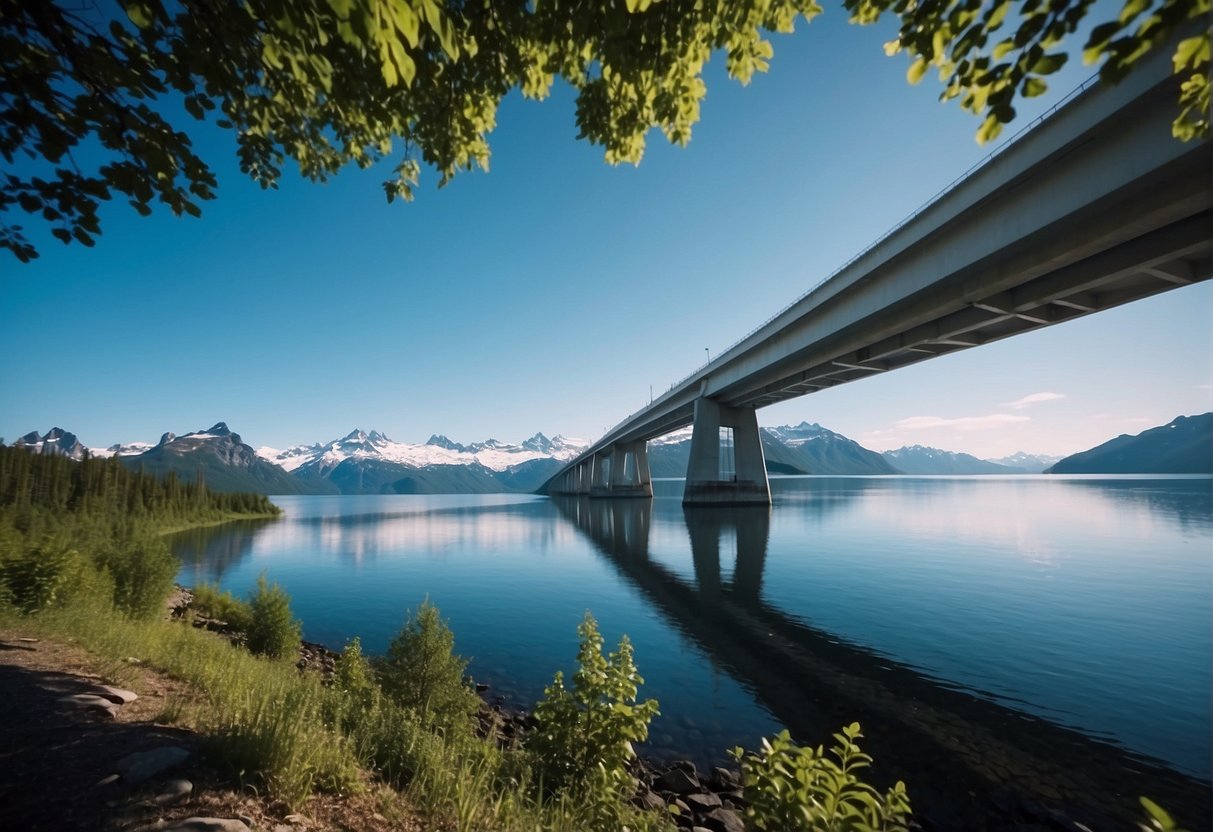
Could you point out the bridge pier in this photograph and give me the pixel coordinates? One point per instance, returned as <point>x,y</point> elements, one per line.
<point>622,471</point>
<point>706,483</point>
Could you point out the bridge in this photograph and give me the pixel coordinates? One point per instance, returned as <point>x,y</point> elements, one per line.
<point>1094,206</point>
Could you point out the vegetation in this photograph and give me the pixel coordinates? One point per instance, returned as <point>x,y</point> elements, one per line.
<point>272,629</point>
<point>422,674</point>
<point>583,741</point>
<point>329,83</point>
<point>792,788</point>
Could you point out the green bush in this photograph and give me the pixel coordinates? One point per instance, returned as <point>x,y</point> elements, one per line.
<point>34,578</point>
<point>143,569</point>
<point>583,742</point>
<point>420,672</point>
<point>223,606</point>
<point>791,788</point>
<point>1158,819</point>
<point>272,630</point>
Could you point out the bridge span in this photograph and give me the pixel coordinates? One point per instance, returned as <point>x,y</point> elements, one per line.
<point>1095,206</point>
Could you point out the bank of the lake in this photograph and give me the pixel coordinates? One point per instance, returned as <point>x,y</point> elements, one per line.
<point>986,631</point>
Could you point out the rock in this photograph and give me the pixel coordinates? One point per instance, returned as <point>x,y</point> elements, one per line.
<point>700,829</point>
<point>702,803</point>
<point>677,780</point>
<point>481,687</point>
<point>143,765</point>
<point>647,799</point>
<point>105,781</point>
<point>723,820</point>
<point>27,640</point>
<point>173,791</point>
<point>91,702</point>
<point>295,819</point>
<point>724,780</point>
<point>207,825</point>
<point>117,695</point>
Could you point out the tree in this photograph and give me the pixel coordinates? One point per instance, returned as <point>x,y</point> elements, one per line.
<point>328,83</point>
<point>421,672</point>
<point>272,630</point>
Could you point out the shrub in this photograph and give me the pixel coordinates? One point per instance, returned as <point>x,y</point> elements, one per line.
<point>1157,818</point>
<point>791,788</point>
<point>35,578</point>
<point>272,630</point>
<point>143,569</point>
<point>222,605</point>
<point>420,672</point>
<point>584,738</point>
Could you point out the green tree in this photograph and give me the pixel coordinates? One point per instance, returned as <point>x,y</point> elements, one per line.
<point>272,629</point>
<point>421,672</point>
<point>583,741</point>
<point>328,83</point>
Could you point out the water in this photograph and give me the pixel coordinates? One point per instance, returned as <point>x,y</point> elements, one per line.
<point>1073,613</point>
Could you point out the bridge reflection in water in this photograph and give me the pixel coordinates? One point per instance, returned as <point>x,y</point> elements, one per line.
<point>969,762</point>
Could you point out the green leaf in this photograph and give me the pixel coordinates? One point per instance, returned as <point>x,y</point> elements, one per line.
<point>1033,87</point>
<point>1048,64</point>
<point>140,14</point>
<point>917,70</point>
<point>1191,53</point>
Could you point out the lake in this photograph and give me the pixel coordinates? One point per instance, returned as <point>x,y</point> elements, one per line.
<point>1006,642</point>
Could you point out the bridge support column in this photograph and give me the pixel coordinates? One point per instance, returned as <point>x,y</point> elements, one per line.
<point>706,483</point>
<point>622,471</point>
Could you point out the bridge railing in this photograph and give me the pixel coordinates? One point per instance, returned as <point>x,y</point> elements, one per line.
<point>913,215</point>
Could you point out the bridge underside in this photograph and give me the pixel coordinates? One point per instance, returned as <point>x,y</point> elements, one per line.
<point>1096,207</point>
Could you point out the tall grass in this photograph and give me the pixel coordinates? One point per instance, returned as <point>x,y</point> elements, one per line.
<point>283,733</point>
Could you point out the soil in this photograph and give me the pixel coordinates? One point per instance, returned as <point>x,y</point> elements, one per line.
<point>58,761</point>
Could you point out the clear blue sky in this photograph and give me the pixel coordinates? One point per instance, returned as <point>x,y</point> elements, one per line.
<point>549,294</point>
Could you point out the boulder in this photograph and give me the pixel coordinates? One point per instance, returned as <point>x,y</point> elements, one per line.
<point>679,781</point>
<point>91,702</point>
<point>723,820</point>
<point>702,803</point>
<point>116,695</point>
<point>173,792</point>
<point>207,825</point>
<point>144,765</point>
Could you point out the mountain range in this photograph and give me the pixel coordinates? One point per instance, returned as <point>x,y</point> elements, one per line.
<point>372,463</point>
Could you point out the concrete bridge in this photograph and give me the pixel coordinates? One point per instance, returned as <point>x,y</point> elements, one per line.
<point>1095,206</point>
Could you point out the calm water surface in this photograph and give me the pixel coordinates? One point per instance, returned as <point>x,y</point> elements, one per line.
<point>1085,602</point>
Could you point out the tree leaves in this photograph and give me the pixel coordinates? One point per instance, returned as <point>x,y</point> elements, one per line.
<point>329,83</point>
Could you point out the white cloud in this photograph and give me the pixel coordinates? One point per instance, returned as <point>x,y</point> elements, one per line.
<point>990,422</point>
<point>1033,398</point>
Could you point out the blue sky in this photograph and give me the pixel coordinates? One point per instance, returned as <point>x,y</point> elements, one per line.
<point>549,294</point>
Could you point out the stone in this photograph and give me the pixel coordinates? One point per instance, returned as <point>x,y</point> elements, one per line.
<point>295,818</point>
<point>173,791</point>
<point>27,640</point>
<point>207,825</point>
<point>700,829</point>
<point>646,799</point>
<point>143,765</point>
<point>91,702</point>
<point>677,780</point>
<point>105,781</point>
<point>702,803</point>
<point>725,780</point>
<point>723,820</point>
<point>118,695</point>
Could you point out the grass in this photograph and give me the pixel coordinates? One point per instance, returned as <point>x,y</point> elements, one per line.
<point>282,733</point>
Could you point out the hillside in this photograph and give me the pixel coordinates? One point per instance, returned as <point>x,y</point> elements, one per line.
<point>919,459</point>
<point>1183,446</point>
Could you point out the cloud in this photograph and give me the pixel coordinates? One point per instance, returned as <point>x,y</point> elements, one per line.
<point>1033,398</point>
<point>991,422</point>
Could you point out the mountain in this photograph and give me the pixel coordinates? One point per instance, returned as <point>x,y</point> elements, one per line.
<point>1183,446</point>
<point>123,449</point>
<point>224,462</point>
<point>919,459</point>
<point>55,441</point>
<point>788,449</point>
<point>1026,463</point>
<point>372,463</point>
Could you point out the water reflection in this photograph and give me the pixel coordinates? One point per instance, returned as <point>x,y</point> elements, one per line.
<point>963,754</point>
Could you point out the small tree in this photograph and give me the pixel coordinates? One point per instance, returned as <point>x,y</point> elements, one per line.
<point>272,630</point>
<point>420,671</point>
<point>791,788</point>
<point>584,738</point>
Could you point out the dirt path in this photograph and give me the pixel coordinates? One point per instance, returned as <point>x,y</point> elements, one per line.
<point>70,763</point>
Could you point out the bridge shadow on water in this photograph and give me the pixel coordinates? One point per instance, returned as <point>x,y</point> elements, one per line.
<point>968,762</point>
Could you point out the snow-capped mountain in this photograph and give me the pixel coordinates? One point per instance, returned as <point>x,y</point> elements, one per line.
<point>373,463</point>
<point>319,459</point>
<point>55,441</point>
<point>920,459</point>
<point>1027,463</point>
<point>122,449</point>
